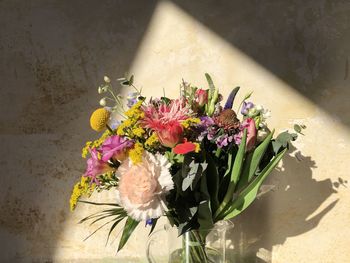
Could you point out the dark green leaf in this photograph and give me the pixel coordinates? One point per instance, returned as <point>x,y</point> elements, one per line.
<point>252,162</point>
<point>213,183</point>
<point>248,194</point>
<point>235,174</point>
<point>131,80</point>
<point>112,228</point>
<point>93,203</point>
<point>154,223</point>
<point>129,227</point>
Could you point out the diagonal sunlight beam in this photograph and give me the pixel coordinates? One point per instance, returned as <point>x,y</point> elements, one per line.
<point>176,46</point>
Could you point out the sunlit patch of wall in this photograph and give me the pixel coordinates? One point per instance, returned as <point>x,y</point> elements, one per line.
<point>304,203</point>
<point>308,198</point>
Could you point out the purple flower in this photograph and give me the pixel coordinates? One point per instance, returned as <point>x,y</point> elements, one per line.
<point>115,147</point>
<point>96,167</point>
<point>132,99</point>
<point>223,140</point>
<point>246,107</point>
<point>149,222</point>
<point>206,121</point>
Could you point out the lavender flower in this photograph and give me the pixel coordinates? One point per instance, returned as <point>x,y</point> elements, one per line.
<point>246,107</point>
<point>132,99</point>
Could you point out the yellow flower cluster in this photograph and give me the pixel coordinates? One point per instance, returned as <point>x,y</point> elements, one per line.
<point>138,131</point>
<point>134,112</point>
<point>135,154</point>
<point>81,188</point>
<point>130,126</point>
<point>152,140</point>
<point>189,122</point>
<point>198,147</point>
<point>95,144</point>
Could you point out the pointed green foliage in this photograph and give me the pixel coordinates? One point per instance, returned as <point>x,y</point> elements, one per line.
<point>129,227</point>
<point>205,217</point>
<point>154,223</point>
<point>192,172</point>
<point>225,180</point>
<point>282,141</point>
<point>248,194</point>
<point>118,220</point>
<point>212,178</point>
<point>252,162</point>
<point>210,83</point>
<point>238,164</point>
<point>236,171</point>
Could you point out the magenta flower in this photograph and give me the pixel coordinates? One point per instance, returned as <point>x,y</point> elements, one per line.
<point>96,167</point>
<point>248,124</point>
<point>201,97</point>
<point>115,147</point>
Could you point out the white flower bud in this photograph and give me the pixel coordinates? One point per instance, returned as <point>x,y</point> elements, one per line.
<point>100,90</point>
<point>103,102</point>
<point>106,79</point>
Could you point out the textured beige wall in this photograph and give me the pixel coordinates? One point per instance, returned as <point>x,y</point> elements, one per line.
<point>293,55</point>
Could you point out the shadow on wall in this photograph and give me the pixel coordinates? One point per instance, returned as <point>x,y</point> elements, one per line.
<point>304,43</point>
<point>290,209</point>
<point>53,56</point>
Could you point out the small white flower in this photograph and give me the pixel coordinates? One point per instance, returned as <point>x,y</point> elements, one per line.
<point>106,79</point>
<point>103,102</point>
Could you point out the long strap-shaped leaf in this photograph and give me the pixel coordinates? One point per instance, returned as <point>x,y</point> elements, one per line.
<point>129,227</point>
<point>236,171</point>
<point>210,83</point>
<point>252,163</point>
<point>247,196</point>
<point>212,179</point>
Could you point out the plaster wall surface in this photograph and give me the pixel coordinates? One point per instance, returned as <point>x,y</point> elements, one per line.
<point>54,54</point>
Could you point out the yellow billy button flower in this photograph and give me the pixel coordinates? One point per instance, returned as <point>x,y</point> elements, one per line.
<point>99,119</point>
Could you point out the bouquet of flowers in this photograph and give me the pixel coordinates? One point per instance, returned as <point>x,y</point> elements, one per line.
<point>191,159</point>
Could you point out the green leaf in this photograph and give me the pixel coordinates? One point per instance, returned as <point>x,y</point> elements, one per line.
<point>248,194</point>
<point>154,223</point>
<point>205,217</point>
<point>236,171</point>
<point>210,82</point>
<point>129,227</point>
<point>113,227</point>
<point>93,203</point>
<point>283,140</point>
<point>252,162</point>
<point>131,80</point>
<point>212,182</point>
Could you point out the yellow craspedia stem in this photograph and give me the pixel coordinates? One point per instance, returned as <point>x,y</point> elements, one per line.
<point>99,119</point>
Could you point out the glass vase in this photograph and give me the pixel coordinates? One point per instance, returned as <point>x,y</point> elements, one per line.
<point>194,246</point>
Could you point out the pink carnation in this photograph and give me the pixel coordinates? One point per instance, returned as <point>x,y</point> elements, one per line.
<point>142,187</point>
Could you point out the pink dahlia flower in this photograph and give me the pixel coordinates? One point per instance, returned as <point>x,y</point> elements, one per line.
<point>115,147</point>
<point>142,187</point>
<point>165,120</point>
<point>96,167</point>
